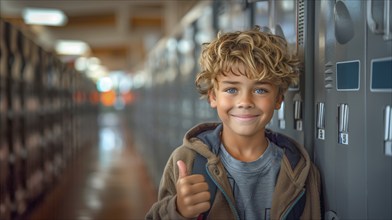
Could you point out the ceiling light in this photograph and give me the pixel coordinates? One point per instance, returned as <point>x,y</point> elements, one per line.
<point>71,47</point>
<point>105,84</point>
<point>40,16</point>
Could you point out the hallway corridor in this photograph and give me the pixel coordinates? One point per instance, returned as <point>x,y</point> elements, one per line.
<point>104,182</point>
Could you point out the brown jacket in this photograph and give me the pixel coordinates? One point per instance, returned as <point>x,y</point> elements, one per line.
<point>297,191</point>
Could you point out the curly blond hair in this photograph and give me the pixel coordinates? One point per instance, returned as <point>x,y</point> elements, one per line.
<point>265,57</point>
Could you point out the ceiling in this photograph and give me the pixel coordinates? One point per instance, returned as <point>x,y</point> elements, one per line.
<point>119,32</point>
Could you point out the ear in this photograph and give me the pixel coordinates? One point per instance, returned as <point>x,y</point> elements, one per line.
<point>279,101</point>
<point>212,98</point>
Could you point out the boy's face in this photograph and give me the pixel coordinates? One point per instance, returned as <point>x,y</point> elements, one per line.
<point>245,106</point>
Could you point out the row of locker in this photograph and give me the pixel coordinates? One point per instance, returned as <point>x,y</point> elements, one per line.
<point>46,119</point>
<point>340,111</point>
<point>353,87</point>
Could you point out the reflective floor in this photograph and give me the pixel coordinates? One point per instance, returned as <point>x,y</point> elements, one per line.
<point>108,181</point>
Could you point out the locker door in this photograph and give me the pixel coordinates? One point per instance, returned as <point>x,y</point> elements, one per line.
<point>340,143</point>
<point>378,109</point>
<point>291,20</point>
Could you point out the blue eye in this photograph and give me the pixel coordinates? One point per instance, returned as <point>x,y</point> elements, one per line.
<point>231,90</point>
<point>260,91</point>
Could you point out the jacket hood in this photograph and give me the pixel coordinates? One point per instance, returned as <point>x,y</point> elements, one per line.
<point>205,140</point>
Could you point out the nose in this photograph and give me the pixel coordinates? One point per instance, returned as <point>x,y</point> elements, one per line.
<point>245,101</point>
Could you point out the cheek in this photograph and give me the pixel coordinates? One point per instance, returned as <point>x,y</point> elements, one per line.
<point>220,103</point>
<point>224,105</point>
<point>268,105</point>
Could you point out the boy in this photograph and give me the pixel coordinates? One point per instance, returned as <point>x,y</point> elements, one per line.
<point>258,174</point>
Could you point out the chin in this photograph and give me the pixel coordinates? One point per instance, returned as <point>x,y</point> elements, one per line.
<point>246,131</point>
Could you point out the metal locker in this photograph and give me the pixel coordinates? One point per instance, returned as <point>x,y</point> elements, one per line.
<point>5,192</point>
<point>378,109</point>
<point>340,88</point>
<point>293,21</point>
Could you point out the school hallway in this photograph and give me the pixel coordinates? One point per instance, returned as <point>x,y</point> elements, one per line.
<point>108,181</point>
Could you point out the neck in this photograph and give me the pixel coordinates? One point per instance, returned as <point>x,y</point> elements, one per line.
<point>245,148</point>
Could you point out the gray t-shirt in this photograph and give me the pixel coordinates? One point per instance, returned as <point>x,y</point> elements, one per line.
<point>253,183</point>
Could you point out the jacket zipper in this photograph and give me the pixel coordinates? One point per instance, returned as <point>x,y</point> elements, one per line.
<point>288,210</point>
<point>232,207</point>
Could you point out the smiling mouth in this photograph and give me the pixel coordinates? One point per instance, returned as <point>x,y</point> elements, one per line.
<point>245,117</point>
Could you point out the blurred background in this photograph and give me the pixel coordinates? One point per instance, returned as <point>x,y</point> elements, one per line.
<point>96,94</point>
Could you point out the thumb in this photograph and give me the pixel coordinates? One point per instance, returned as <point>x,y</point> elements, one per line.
<point>182,172</point>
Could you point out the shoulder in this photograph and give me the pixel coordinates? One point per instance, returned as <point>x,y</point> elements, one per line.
<point>183,153</point>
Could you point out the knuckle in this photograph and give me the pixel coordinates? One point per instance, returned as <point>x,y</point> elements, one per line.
<point>189,210</point>
<point>181,181</point>
<point>184,190</point>
<point>187,201</point>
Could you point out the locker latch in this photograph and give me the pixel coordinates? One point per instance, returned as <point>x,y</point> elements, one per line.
<point>388,131</point>
<point>282,122</point>
<point>297,113</point>
<point>343,124</point>
<point>321,121</point>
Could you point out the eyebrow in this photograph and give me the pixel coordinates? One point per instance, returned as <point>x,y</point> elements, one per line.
<point>230,82</point>
<point>236,82</point>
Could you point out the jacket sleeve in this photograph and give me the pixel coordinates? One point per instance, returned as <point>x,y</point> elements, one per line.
<point>165,207</point>
<point>313,204</point>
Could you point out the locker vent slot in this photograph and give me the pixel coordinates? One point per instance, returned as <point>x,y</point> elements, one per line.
<point>301,22</point>
<point>328,75</point>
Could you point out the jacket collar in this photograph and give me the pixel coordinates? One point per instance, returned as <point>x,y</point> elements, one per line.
<point>209,135</point>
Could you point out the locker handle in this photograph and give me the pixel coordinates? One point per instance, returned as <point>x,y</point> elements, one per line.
<point>343,118</point>
<point>372,24</point>
<point>320,115</point>
<point>281,112</point>
<point>297,110</point>
<point>387,25</point>
<point>388,124</point>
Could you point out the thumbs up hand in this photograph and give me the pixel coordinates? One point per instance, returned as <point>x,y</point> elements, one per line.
<point>193,197</point>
